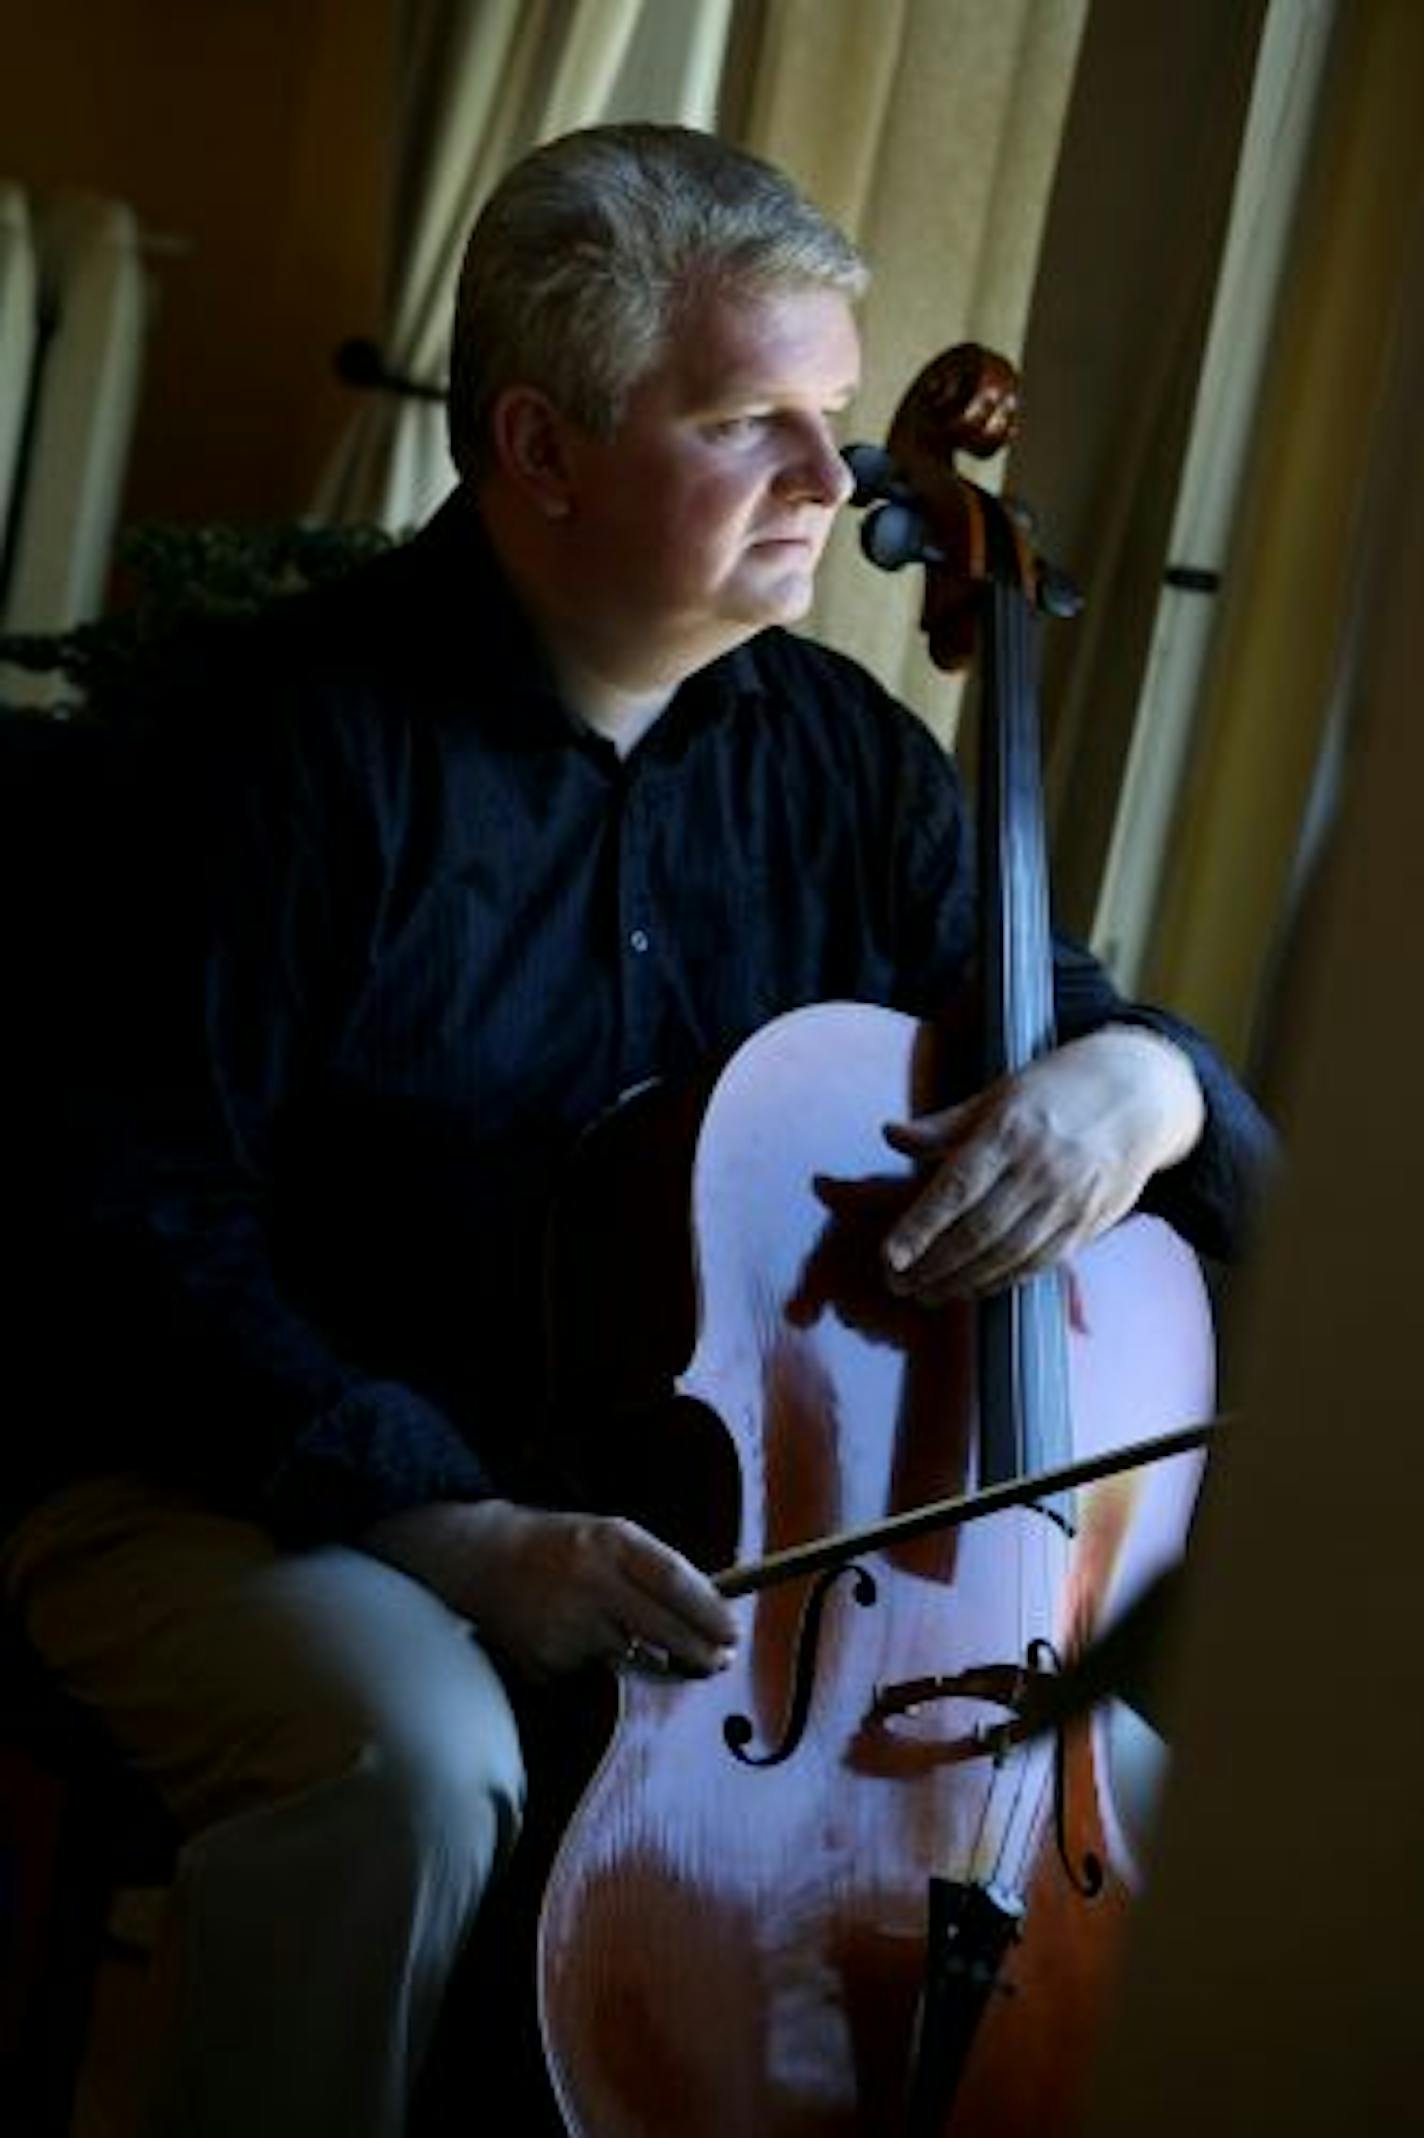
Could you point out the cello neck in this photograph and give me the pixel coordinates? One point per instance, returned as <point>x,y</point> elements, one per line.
<point>1017,947</point>
<point>1023,1364</point>
<point>983,585</point>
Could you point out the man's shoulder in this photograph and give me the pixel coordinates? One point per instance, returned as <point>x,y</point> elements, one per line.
<point>355,651</point>
<point>213,657</point>
<point>363,622</point>
<point>830,691</point>
<point>782,658</point>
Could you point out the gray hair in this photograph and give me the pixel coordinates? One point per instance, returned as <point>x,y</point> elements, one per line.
<point>582,257</point>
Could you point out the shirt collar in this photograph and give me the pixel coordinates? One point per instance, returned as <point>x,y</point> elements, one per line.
<point>471,605</point>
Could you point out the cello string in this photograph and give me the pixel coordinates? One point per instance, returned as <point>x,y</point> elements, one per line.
<point>1038,1365</point>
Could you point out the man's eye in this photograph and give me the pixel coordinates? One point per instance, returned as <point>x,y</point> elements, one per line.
<point>733,428</point>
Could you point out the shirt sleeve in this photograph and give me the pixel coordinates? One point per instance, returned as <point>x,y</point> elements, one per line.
<point>245,1396</point>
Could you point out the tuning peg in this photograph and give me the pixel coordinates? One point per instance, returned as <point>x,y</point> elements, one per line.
<point>876,475</point>
<point>1058,595</point>
<point>894,535</point>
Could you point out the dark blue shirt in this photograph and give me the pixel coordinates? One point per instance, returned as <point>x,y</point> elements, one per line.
<point>441,927</point>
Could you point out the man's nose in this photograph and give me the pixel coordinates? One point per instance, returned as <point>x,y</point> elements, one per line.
<point>816,473</point>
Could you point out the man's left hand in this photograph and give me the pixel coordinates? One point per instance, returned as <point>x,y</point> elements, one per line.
<point>1030,1170</point>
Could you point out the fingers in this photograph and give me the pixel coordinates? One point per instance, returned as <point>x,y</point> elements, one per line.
<point>1024,1175</point>
<point>924,1135</point>
<point>670,1607</point>
<point>973,1199</point>
<point>981,1214</point>
<point>975,1229</point>
<point>644,1660</point>
<point>622,1596</point>
<point>552,1591</point>
<point>991,1245</point>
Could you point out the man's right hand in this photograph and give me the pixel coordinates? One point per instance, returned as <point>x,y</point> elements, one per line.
<point>551,1591</point>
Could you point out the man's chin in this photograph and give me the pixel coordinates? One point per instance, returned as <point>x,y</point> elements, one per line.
<point>783,600</point>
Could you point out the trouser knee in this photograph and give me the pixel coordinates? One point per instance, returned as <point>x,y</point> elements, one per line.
<point>452,1800</point>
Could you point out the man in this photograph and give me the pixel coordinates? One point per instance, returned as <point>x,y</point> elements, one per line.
<point>541,805</point>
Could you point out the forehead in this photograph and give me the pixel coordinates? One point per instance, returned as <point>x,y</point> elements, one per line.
<point>729,345</point>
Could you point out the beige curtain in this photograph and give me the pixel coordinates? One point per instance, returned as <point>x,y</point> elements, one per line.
<point>94,297</point>
<point>930,129</point>
<point>19,334</point>
<point>1234,374</point>
<point>480,82</point>
<point>1129,269</point>
<point>1295,611</point>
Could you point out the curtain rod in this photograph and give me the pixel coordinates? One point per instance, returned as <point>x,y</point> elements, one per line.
<point>360,363</point>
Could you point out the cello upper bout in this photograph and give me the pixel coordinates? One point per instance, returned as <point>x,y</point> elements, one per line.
<point>1142,1287</point>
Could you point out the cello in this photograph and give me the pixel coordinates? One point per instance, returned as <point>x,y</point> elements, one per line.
<point>845,1887</point>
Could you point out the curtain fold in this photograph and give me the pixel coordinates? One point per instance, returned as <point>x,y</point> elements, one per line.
<point>481,82</point>
<point>1231,377</point>
<point>1290,635</point>
<point>1120,315</point>
<point>94,296</point>
<point>19,338</point>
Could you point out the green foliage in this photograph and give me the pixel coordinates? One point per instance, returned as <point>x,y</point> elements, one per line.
<point>181,574</point>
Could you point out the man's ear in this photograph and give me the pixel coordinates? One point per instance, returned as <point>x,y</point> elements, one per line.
<point>528,435</point>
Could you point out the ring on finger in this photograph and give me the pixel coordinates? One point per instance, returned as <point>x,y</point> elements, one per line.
<point>644,1657</point>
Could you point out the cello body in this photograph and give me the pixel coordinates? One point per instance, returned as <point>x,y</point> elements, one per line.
<point>734,1940</point>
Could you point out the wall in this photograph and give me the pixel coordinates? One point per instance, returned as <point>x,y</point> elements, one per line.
<point>254,131</point>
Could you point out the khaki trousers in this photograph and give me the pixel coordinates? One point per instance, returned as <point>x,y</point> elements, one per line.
<point>345,1772</point>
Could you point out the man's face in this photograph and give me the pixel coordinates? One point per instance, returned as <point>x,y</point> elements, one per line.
<point>704,517</point>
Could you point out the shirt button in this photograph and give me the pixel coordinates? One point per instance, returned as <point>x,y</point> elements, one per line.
<point>638,940</point>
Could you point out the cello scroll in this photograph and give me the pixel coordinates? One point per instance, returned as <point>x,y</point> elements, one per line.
<point>921,510</point>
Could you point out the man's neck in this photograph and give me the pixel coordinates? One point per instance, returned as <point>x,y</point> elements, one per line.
<point>622,713</point>
<point>619,682</point>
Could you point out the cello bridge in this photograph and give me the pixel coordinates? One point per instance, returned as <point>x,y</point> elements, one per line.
<point>1015,1688</point>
